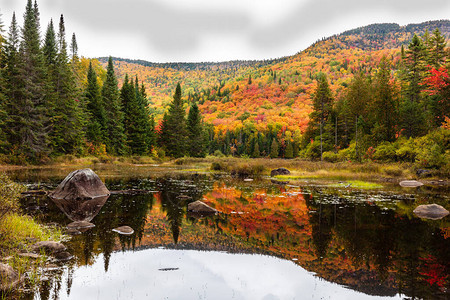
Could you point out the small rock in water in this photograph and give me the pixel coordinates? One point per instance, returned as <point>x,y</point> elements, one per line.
<point>80,225</point>
<point>431,211</point>
<point>410,183</point>
<point>125,230</point>
<point>30,255</point>
<point>63,256</point>
<point>49,247</point>
<point>9,277</point>
<point>73,231</point>
<point>200,207</point>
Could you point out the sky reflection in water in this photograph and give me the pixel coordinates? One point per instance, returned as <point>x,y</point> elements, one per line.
<point>201,275</point>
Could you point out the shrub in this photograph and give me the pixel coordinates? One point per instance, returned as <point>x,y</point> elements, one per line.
<point>385,152</point>
<point>218,166</point>
<point>218,153</point>
<point>245,170</point>
<point>395,171</point>
<point>406,151</point>
<point>330,156</point>
<point>9,193</point>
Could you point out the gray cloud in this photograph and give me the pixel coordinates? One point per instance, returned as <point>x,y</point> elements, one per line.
<point>318,13</point>
<point>167,29</point>
<point>160,30</point>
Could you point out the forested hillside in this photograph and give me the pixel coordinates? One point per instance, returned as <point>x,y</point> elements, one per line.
<point>379,92</point>
<point>256,102</point>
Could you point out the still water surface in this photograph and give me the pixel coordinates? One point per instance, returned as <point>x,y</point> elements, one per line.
<point>301,241</point>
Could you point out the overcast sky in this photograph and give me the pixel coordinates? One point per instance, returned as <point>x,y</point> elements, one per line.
<point>217,30</point>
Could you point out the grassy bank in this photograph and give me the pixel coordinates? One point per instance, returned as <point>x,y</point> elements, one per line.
<point>244,167</point>
<point>18,232</point>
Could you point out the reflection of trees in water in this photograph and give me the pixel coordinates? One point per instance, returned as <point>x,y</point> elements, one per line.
<point>393,245</point>
<point>176,194</point>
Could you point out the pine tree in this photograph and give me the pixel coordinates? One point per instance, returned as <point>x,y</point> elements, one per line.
<point>322,108</point>
<point>411,108</point>
<point>173,133</point>
<point>274,149</point>
<point>74,47</point>
<point>437,53</point>
<point>384,108</point>
<point>289,152</point>
<point>196,144</point>
<point>256,153</point>
<point>28,115</point>
<point>96,125</point>
<point>113,111</point>
<point>134,128</point>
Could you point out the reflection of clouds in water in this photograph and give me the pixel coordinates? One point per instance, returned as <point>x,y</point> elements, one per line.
<point>201,275</point>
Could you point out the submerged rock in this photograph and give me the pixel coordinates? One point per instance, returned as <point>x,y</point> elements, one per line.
<point>49,247</point>
<point>279,182</point>
<point>280,171</point>
<point>410,183</point>
<point>125,230</point>
<point>431,211</point>
<point>80,225</point>
<point>200,207</point>
<point>63,256</point>
<point>8,277</point>
<point>80,185</point>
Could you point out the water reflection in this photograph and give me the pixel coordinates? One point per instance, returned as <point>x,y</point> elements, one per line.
<point>368,242</point>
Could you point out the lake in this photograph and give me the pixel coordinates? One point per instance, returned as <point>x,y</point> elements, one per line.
<point>309,239</point>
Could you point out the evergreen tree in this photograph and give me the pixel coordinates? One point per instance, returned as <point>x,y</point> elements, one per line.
<point>173,130</point>
<point>74,47</point>
<point>95,131</point>
<point>436,50</point>
<point>384,108</point>
<point>322,108</point>
<point>274,149</point>
<point>113,111</point>
<point>134,128</point>
<point>27,108</point>
<point>289,152</point>
<point>196,144</point>
<point>411,108</point>
<point>66,116</point>
<point>256,153</point>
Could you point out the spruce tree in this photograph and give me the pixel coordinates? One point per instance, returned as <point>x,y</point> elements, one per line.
<point>28,115</point>
<point>173,130</point>
<point>411,108</point>
<point>74,47</point>
<point>384,108</point>
<point>113,111</point>
<point>274,149</point>
<point>289,152</point>
<point>133,124</point>
<point>256,153</point>
<point>94,105</point>
<point>196,144</point>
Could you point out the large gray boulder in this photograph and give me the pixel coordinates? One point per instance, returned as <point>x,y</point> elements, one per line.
<point>8,277</point>
<point>431,211</point>
<point>80,185</point>
<point>200,207</point>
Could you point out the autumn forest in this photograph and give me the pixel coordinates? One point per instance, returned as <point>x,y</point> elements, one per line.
<point>376,93</point>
